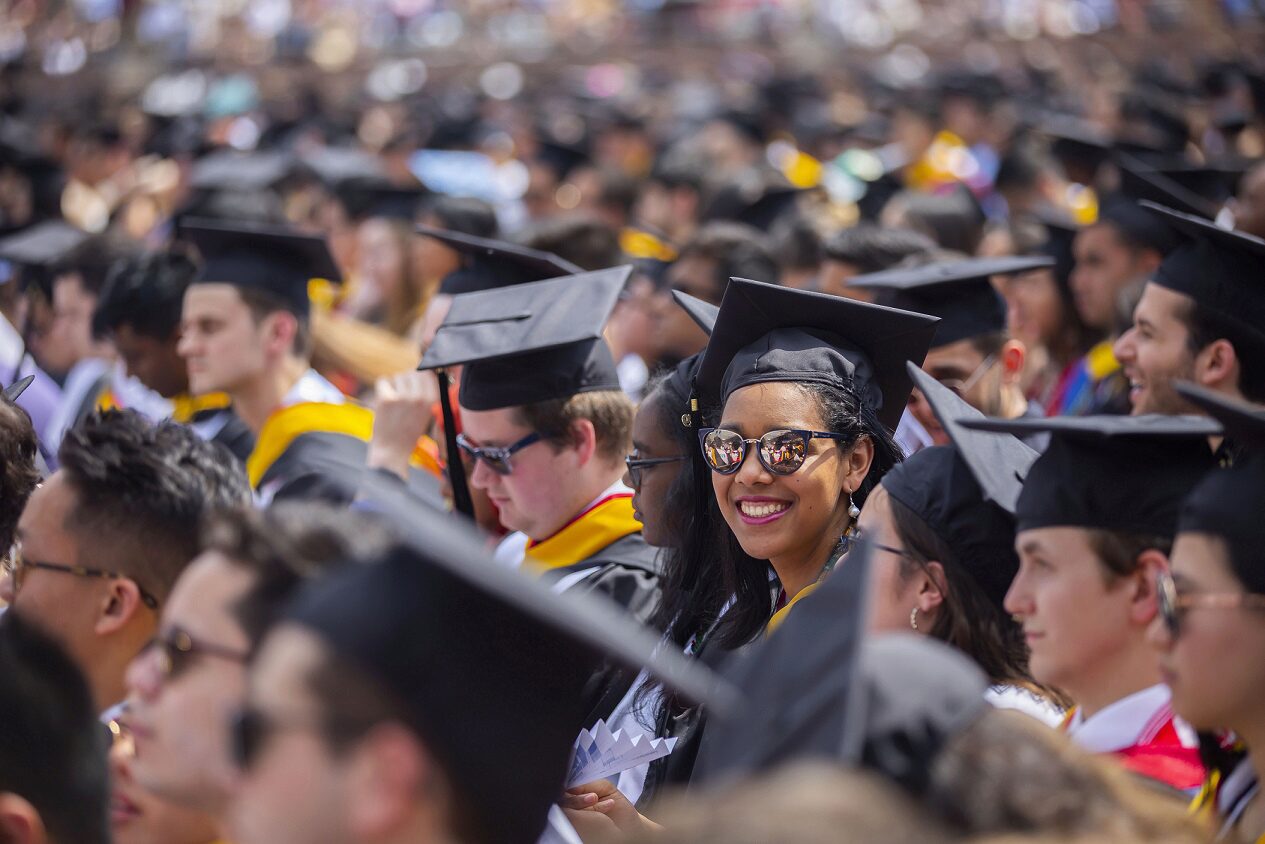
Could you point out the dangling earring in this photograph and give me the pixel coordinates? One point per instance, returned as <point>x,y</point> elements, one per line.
<point>913,619</point>
<point>853,510</point>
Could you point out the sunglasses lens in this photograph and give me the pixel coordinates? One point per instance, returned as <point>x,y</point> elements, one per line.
<point>723,450</point>
<point>783,451</point>
<point>1168,604</point>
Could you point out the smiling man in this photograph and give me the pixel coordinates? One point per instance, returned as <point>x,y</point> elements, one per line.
<point>1199,319</point>
<point>1094,525</point>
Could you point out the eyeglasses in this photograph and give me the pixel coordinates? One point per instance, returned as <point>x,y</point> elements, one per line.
<point>250,729</point>
<point>1173,604</point>
<point>962,387</point>
<point>859,536</point>
<point>781,451</point>
<point>15,566</point>
<point>497,459</point>
<point>636,464</point>
<point>176,649</point>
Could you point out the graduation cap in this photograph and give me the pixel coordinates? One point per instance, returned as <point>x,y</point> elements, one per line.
<point>336,166</point>
<point>17,388</point>
<point>529,343</point>
<point>767,333</point>
<point>703,313</point>
<point>1214,181</point>
<point>1139,181</point>
<point>269,259</point>
<point>366,198</point>
<point>966,492</point>
<point>487,664</point>
<point>757,198</point>
<point>491,264</point>
<point>1116,473</point>
<point>819,689</point>
<point>240,171</point>
<point>1242,423</point>
<point>958,292</point>
<point>1218,268</point>
<point>1079,145</point>
<point>44,250</point>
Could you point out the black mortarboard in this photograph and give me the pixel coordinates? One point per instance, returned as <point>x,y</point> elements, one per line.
<point>819,688</point>
<point>1079,145</point>
<point>767,333</point>
<point>241,171</point>
<point>378,198</point>
<point>703,313</point>
<point>532,342</point>
<point>12,392</point>
<point>490,264</point>
<point>1218,268</point>
<point>958,292</point>
<point>1140,181</point>
<point>966,492</point>
<point>1215,181</point>
<point>1242,423</point>
<point>43,246</point>
<point>336,166</point>
<point>1116,473</point>
<point>273,260</point>
<point>487,663</point>
<point>757,198</point>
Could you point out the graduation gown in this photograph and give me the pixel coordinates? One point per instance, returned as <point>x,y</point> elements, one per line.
<point>212,418</point>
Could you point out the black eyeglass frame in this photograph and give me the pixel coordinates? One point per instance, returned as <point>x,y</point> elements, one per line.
<point>636,464</point>
<point>497,458</point>
<point>16,562</point>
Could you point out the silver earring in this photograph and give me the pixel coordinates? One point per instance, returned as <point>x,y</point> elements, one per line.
<point>853,510</point>
<point>913,619</point>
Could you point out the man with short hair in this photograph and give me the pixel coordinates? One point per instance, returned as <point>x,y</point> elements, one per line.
<point>1095,524</point>
<point>54,788</point>
<point>716,253</point>
<point>1199,319</point>
<point>102,540</point>
<point>139,310</point>
<point>183,688</point>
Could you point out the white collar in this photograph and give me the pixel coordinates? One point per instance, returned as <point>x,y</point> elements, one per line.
<point>512,549</point>
<point>1130,721</point>
<point>312,387</point>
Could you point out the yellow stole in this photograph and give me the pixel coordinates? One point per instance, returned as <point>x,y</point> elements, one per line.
<point>185,406</point>
<point>780,616</point>
<point>605,522</point>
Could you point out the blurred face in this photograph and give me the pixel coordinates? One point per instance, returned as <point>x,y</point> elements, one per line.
<point>381,261</point>
<point>1034,310</point>
<point>676,335</point>
<point>184,714</point>
<point>66,337</point>
<point>633,322</point>
<point>969,373</point>
<point>1073,621</point>
<point>155,363</point>
<point>1155,352</point>
<point>433,258</point>
<point>1249,205</point>
<point>790,516</point>
<point>1105,268</point>
<point>650,495</point>
<point>295,790</point>
<point>220,340</point>
<point>65,606</point>
<point>833,280</point>
<point>534,497</point>
<point>139,817</point>
<point>892,595</point>
<point>1213,665</point>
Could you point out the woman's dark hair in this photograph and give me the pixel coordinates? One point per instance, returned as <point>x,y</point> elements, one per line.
<point>746,578</point>
<point>967,618</point>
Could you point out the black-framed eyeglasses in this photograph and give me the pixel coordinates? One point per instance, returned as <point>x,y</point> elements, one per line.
<point>15,565</point>
<point>963,386</point>
<point>860,536</point>
<point>250,729</point>
<point>1173,603</point>
<point>175,650</point>
<point>496,458</point>
<point>636,464</point>
<point>781,451</point>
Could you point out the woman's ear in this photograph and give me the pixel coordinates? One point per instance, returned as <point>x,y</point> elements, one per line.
<point>933,586</point>
<point>859,459</point>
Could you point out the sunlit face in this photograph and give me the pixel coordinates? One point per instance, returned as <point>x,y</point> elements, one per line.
<point>782,515</point>
<point>220,340</point>
<point>1216,664</point>
<point>1034,309</point>
<point>185,716</point>
<point>892,595</point>
<point>66,337</point>
<point>533,498</point>
<point>297,789</point>
<point>381,262</point>
<point>967,371</point>
<point>153,362</point>
<point>1073,621</point>
<point>650,497</point>
<point>676,335</point>
<point>1105,267</point>
<point>1155,352</point>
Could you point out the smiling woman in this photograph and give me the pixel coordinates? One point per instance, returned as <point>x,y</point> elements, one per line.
<point>807,388</point>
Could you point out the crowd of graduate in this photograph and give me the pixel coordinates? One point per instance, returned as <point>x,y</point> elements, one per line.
<point>379,448</point>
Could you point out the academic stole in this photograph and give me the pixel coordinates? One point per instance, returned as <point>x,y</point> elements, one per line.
<point>607,521</point>
<point>185,407</point>
<point>287,424</point>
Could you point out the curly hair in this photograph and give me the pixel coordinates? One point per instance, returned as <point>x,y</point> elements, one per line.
<point>18,472</point>
<point>142,490</point>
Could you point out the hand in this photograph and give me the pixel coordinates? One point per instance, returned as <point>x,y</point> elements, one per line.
<point>600,813</point>
<point>401,416</point>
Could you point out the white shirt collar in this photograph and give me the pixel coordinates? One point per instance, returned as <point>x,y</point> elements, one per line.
<point>312,387</point>
<point>1129,721</point>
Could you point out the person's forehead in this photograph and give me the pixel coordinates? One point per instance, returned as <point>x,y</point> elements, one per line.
<point>212,297</point>
<point>48,506</point>
<point>202,597</point>
<point>287,658</point>
<point>493,424</point>
<point>961,353</point>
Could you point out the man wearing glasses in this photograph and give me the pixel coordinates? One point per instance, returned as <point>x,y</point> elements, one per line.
<point>192,675</point>
<point>547,427</point>
<point>102,541</point>
<point>972,353</point>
